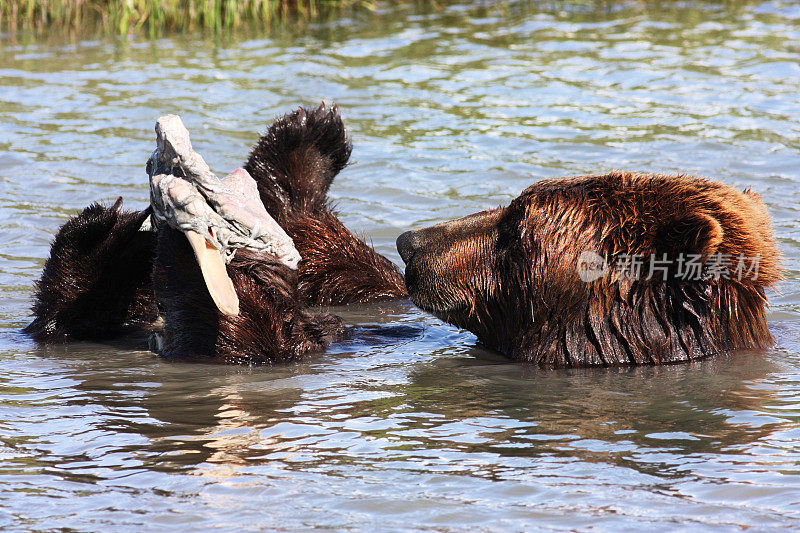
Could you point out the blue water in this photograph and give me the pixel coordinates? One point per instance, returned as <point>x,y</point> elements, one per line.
<point>411,425</point>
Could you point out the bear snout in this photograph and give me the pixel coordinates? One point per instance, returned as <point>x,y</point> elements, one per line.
<point>407,245</point>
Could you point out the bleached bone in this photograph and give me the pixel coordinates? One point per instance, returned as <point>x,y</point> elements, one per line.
<point>227,212</point>
<point>219,215</point>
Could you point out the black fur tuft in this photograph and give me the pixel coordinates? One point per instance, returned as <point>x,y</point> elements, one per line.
<point>96,283</point>
<point>295,162</point>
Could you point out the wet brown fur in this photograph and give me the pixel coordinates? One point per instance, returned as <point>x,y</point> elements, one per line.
<point>272,325</point>
<point>294,164</point>
<point>510,275</point>
<point>96,283</point>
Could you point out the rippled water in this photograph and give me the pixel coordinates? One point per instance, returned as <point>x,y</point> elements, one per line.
<point>411,425</point>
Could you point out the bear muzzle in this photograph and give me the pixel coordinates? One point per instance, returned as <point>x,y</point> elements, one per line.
<point>407,245</point>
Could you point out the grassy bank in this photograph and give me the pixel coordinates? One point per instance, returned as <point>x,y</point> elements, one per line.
<point>124,16</point>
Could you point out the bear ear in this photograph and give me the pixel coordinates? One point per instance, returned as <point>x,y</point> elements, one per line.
<point>695,234</point>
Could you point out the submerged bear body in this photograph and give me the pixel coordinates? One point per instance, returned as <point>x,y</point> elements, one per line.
<point>106,276</point>
<point>614,269</point>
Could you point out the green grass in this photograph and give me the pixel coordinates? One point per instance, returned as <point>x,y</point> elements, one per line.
<point>136,16</point>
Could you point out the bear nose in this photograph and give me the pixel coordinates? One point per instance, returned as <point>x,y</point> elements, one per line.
<point>407,244</point>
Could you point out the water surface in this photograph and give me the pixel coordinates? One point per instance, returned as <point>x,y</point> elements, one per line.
<point>410,425</point>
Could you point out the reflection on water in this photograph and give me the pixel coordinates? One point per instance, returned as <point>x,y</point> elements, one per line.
<point>408,423</point>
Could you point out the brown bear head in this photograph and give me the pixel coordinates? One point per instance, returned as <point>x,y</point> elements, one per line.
<point>622,268</point>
